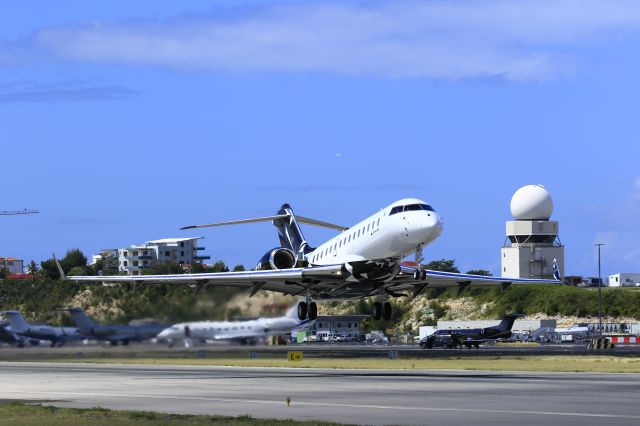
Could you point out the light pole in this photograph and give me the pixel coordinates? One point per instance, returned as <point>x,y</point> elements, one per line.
<point>599,291</point>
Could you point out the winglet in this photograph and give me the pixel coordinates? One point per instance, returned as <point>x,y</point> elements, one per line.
<point>60,270</point>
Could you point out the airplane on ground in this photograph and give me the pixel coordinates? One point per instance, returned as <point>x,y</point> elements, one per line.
<point>113,334</point>
<point>362,261</point>
<point>245,332</point>
<point>469,337</point>
<point>56,335</point>
<point>6,336</point>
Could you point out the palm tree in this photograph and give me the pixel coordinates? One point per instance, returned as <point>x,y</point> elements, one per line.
<point>32,268</point>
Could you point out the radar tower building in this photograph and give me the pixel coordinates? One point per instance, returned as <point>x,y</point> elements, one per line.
<point>532,244</point>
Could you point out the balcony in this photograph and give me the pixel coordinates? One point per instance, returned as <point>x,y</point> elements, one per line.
<point>201,257</point>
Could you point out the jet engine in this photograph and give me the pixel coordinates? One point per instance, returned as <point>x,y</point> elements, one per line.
<point>277,258</point>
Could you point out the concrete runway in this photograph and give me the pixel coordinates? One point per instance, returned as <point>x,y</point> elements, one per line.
<point>349,396</point>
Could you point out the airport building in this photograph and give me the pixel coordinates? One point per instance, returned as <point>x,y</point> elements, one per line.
<point>12,265</point>
<point>532,245</point>
<point>624,280</point>
<point>136,258</point>
<point>342,325</point>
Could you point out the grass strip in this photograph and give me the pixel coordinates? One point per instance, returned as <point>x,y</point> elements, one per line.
<point>21,414</point>
<point>568,363</point>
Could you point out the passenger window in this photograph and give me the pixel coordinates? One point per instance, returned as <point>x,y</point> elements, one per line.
<point>378,222</point>
<point>368,227</point>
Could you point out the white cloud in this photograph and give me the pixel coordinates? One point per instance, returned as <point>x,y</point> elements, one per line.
<point>514,40</point>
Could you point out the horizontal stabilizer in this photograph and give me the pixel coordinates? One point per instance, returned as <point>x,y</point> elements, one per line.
<point>300,219</point>
<point>238,222</point>
<point>315,222</point>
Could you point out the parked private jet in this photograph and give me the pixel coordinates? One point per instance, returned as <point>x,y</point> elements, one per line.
<point>249,331</point>
<point>113,334</point>
<point>469,337</point>
<point>56,335</point>
<point>363,260</point>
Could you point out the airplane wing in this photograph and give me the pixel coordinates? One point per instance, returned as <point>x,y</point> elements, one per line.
<point>405,281</point>
<point>288,281</point>
<point>330,282</point>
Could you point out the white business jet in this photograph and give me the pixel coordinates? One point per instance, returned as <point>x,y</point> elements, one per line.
<point>248,331</point>
<point>363,260</point>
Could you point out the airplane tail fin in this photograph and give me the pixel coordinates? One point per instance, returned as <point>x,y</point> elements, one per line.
<point>286,222</point>
<point>16,321</point>
<point>556,270</point>
<point>81,319</point>
<point>507,322</point>
<point>289,232</point>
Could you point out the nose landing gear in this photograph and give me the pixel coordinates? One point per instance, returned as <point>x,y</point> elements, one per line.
<point>419,274</point>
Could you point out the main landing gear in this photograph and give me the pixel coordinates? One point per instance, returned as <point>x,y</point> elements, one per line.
<point>381,310</point>
<point>307,310</point>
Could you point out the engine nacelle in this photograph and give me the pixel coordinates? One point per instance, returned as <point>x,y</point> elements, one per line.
<point>277,258</point>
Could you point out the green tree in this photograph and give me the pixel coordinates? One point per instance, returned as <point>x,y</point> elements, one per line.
<point>479,272</point>
<point>444,265</point>
<point>72,259</point>
<point>198,268</point>
<point>49,269</point>
<point>219,266</point>
<point>79,270</point>
<point>238,268</point>
<point>33,270</point>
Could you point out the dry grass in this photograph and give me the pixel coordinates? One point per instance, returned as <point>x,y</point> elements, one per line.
<point>587,363</point>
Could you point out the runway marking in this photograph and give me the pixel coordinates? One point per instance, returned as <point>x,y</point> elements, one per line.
<point>324,404</point>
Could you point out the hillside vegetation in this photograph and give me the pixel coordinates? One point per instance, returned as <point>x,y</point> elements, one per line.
<point>40,298</point>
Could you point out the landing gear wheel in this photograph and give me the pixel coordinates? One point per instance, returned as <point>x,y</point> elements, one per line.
<point>376,310</point>
<point>416,274</point>
<point>302,310</point>
<point>313,311</point>
<point>386,311</point>
<point>423,275</point>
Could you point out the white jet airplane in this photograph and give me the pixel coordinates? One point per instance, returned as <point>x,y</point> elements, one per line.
<point>363,260</point>
<point>249,331</point>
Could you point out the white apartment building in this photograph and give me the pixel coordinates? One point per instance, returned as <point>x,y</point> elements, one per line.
<point>183,251</point>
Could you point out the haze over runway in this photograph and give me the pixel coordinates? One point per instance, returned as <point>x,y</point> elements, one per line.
<point>350,396</point>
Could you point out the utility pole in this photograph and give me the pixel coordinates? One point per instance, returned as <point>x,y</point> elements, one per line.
<point>599,291</point>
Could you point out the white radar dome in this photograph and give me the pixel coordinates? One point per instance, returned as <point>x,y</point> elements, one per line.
<point>531,202</point>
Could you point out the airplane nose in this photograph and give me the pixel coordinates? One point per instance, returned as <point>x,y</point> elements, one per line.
<point>427,228</point>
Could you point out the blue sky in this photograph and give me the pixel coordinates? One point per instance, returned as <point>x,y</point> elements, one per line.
<point>123,121</point>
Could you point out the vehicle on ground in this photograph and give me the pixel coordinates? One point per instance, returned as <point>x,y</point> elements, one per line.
<point>470,337</point>
<point>58,336</point>
<point>114,334</point>
<point>245,332</point>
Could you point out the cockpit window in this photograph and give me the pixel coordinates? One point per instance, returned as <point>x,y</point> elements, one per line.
<point>411,207</point>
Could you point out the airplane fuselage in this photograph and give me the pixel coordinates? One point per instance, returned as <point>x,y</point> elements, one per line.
<point>231,330</point>
<point>392,233</point>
